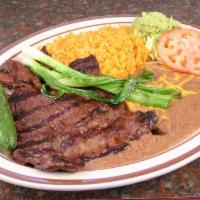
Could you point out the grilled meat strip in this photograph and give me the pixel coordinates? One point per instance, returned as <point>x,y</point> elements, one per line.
<point>63,134</point>
<point>88,65</point>
<point>17,75</point>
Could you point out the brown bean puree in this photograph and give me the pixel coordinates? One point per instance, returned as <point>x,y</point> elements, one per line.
<point>179,122</point>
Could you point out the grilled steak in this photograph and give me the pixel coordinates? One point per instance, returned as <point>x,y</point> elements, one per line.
<point>17,75</point>
<point>63,134</point>
<point>88,65</point>
<point>44,50</point>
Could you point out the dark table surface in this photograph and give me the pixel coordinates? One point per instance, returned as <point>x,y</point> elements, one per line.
<point>22,17</point>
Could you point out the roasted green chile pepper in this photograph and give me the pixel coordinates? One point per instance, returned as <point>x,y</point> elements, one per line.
<point>8,134</point>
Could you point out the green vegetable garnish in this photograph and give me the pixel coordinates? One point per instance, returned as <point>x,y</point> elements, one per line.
<point>67,80</point>
<point>8,135</point>
<point>151,25</point>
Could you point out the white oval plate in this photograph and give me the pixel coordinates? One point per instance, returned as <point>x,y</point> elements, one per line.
<point>90,180</point>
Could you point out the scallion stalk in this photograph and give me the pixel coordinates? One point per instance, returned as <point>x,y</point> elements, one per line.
<point>67,80</point>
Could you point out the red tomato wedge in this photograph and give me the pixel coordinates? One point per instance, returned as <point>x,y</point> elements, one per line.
<point>180,50</point>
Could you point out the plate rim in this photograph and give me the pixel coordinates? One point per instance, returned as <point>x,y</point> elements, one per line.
<point>195,152</point>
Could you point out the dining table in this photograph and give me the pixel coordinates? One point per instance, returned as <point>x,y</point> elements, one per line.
<point>19,18</point>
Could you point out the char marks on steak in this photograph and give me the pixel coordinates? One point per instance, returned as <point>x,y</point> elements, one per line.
<point>63,134</point>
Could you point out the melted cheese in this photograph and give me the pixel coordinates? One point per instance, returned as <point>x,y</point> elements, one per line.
<point>132,106</point>
<point>164,116</point>
<point>177,83</point>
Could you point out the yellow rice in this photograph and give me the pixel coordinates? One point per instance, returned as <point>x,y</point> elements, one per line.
<point>118,51</point>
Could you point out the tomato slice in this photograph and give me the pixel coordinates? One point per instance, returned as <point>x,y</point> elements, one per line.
<point>180,50</point>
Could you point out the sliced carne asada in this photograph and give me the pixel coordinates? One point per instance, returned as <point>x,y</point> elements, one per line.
<point>92,139</point>
<point>63,134</point>
<point>17,75</point>
<point>88,65</point>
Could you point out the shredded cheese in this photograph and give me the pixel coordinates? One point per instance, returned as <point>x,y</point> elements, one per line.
<point>178,84</point>
<point>176,81</point>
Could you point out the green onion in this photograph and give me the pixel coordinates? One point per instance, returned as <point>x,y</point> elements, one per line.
<point>67,80</point>
<point>162,91</point>
<point>45,92</point>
